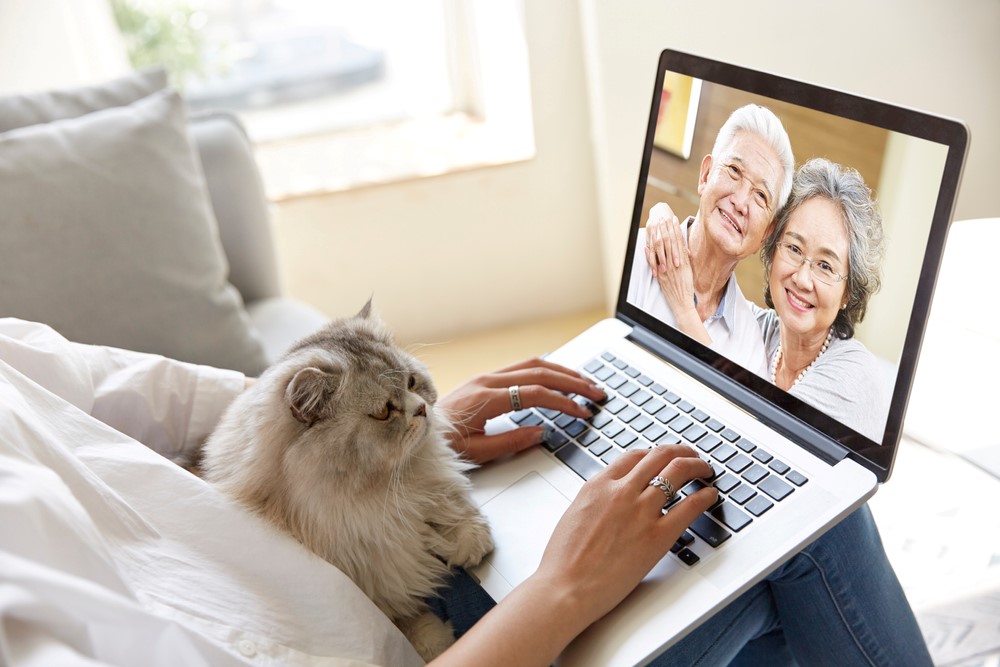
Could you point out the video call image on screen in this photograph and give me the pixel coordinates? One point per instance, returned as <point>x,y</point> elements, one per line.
<point>903,172</point>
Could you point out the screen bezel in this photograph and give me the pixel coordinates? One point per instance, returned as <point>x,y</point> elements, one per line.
<point>878,457</point>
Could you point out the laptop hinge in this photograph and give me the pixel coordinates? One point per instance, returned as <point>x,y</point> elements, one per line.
<point>772,416</point>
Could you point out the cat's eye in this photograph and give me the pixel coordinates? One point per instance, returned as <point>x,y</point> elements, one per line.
<point>412,383</point>
<point>382,413</point>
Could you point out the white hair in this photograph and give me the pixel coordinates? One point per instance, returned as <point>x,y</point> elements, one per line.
<point>761,121</point>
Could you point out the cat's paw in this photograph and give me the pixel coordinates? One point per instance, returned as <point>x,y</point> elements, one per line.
<point>472,542</point>
<point>428,634</point>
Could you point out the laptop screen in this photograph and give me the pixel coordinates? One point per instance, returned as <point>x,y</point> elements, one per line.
<point>827,310</point>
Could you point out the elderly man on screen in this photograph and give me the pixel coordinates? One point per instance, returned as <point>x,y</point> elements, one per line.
<point>742,184</point>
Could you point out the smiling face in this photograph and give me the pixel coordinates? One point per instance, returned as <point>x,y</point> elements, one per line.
<point>738,189</point>
<point>806,306</point>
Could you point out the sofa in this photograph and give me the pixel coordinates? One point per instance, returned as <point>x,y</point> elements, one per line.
<point>128,222</point>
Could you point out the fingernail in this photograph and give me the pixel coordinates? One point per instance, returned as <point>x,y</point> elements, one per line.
<point>545,435</point>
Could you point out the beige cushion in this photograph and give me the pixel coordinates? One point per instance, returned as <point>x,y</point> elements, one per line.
<point>108,236</point>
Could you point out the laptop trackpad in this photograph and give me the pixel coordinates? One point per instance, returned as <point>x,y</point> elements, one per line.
<point>522,518</point>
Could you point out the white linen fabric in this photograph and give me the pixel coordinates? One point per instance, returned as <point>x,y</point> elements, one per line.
<point>733,329</point>
<point>112,555</point>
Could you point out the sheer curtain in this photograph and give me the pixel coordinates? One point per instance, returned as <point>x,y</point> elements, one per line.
<point>57,43</point>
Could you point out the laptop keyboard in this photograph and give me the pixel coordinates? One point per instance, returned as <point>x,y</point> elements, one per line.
<point>639,414</point>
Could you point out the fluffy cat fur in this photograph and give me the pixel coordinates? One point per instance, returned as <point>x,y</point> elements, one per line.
<point>339,443</point>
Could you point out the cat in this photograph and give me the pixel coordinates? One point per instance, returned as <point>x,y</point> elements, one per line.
<point>339,443</point>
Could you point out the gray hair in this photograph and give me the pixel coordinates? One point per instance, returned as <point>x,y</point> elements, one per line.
<point>844,187</point>
<point>761,121</point>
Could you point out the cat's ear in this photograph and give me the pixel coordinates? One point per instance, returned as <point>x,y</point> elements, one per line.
<point>309,393</point>
<point>366,311</point>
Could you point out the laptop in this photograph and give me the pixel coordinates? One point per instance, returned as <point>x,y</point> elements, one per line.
<point>786,471</point>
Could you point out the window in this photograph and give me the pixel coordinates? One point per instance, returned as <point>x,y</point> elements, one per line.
<point>336,94</point>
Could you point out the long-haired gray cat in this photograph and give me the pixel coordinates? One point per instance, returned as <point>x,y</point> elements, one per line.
<point>339,444</point>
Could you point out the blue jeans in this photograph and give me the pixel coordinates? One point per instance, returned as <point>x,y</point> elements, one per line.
<point>837,602</point>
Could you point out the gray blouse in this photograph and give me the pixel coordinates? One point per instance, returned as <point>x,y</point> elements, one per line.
<point>846,382</point>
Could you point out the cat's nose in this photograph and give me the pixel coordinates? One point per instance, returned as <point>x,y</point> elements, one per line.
<point>421,411</point>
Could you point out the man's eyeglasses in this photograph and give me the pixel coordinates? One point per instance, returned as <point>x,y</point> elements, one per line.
<point>821,270</point>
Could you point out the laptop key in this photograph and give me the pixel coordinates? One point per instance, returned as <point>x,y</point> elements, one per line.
<point>640,398</point>
<point>685,406</point>
<point>730,435</point>
<point>600,447</point>
<point>738,463</point>
<point>579,461</point>
<point>762,456</point>
<point>653,432</point>
<point>709,442</point>
<point>741,494</point>
<point>755,473</point>
<point>653,406</point>
<point>575,428</point>
<point>611,455</point>
<point>641,423</point>
<point>759,505</point>
<point>632,372</point>
<point>669,438</point>
<point>628,389</point>
<point>700,416</point>
<point>520,415</point>
<point>679,424</point>
<point>715,425</point>
<point>607,356</point>
<point>713,534</point>
<point>625,439</point>
<point>796,478</point>
<point>553,440</point>
<point>615,406</point>
<point>693,433</point>
<point>688,557</point>
<point>727,483</point>
<point>779,467</point>
<point>616,381</point>
<point>604,373</point>
<point>731,516</point>
<point>601,419</point>
<point>723,453</point>
<point>775,487</point>
<point>658,389</point>
<point>594,366</point>
<point>666,415</point>
<point>613,429</point>
<point>644,380</point>
<point>628,414</point>
<point>746,445</point>
<point>588,437</point>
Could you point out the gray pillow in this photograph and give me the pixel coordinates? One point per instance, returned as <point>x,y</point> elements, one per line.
<point>108,236</point>
<point>23,110</point>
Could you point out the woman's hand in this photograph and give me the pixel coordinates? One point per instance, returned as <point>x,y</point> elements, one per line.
<point>669,259</point>
<point>540,384</point>
<point>587,553</point>
<point>611,536</point>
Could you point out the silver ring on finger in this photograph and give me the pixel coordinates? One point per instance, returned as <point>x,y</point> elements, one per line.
<point>663,485</point>
<point>515,397</point>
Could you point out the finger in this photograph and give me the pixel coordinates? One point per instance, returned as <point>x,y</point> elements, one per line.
<point>656,462</point>
<point>676,243</point>
<point>683,513</point>
<point>537,362</point>
<point>485,448</point>
<point>536,396</point>
<point>659,244</point>
<point>678,472</point>
<point>549,378</point>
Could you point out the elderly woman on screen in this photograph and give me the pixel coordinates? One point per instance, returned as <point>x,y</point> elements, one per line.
<point>823,263</point>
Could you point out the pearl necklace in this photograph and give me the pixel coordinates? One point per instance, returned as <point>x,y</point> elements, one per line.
<point>777,360</point>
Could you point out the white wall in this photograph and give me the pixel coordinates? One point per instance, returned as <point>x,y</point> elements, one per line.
<point>931,55</point>
<point>469,250</point>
